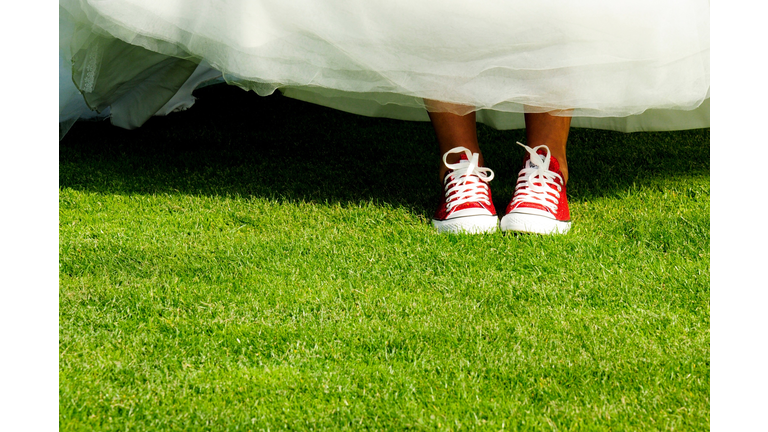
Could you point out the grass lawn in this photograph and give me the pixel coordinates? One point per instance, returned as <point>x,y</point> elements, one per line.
<point>266,264</point>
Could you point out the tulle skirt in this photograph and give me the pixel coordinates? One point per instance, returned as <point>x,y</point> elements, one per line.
<point>591,59</point>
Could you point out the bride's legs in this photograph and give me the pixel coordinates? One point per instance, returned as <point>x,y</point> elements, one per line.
<point>466,205</point>
<point>453,130</point>
<point>552,131</point>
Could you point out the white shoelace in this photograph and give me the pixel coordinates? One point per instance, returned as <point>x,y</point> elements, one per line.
<point>466,185</point>
<point>537,185</point>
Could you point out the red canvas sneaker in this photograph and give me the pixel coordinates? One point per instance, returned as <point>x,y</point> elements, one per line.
<point>540,204</point>
<point>466,206</point>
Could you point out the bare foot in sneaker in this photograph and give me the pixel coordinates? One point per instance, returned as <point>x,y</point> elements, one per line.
<point>466,205</point>
<point>540,203</point>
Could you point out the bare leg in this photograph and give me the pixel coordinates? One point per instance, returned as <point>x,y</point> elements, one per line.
<point>549,130</point>
<point>453,130</point>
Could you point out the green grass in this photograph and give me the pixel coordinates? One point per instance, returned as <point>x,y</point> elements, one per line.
<point>265,264</point>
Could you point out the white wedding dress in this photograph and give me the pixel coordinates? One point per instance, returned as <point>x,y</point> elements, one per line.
<point>623,65</point>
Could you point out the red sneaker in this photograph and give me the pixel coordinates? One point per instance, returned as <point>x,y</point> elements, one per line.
<point>540,204</point>
<point>466,206</point>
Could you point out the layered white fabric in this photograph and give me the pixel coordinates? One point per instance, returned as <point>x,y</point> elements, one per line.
<point>593,58</point>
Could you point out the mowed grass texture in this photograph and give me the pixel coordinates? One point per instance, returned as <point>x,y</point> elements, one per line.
<point>266,264</point>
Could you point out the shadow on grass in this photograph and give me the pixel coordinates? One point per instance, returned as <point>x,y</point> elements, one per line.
<point>235,143</point>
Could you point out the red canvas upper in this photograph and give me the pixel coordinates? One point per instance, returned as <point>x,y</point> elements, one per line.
<point>562,213</point>
<point>443,213</point>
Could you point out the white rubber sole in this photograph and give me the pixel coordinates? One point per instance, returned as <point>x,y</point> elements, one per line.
<point>480,224</point>
<point>533,224</point>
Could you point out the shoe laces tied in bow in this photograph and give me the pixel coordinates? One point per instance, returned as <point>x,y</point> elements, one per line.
<point>467,182</point>
<point>538,184</point>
